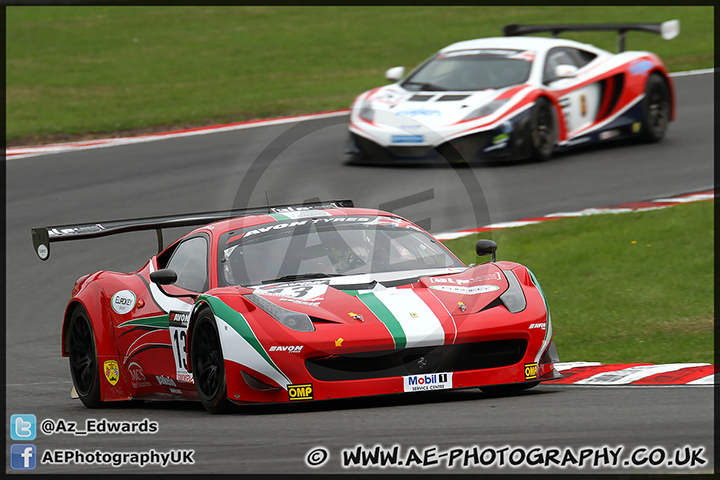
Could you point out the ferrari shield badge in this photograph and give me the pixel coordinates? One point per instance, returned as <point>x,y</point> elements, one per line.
<point>112,371</point>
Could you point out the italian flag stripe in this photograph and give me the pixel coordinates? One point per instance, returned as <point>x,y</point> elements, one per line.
<point>279,217</point>
<point>383,313</point>
<point>409,319</point>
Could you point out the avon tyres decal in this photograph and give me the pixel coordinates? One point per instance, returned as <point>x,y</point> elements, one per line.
<point>239,342</point>
<point>407,317</point>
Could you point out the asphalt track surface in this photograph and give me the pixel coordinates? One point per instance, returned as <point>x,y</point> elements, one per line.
<point>297,162</point>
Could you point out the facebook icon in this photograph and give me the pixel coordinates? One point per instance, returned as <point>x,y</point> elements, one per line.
<point>22,457</point>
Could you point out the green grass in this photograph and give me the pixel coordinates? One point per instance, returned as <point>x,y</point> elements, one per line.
<point>108,69</point>
<point>632,287</point>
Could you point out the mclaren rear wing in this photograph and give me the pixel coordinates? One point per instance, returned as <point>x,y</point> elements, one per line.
<point>668,30</point>
<point>43,236</point>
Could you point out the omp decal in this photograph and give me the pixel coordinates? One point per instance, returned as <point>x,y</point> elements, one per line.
<point>300,392</point>
<point>112,371</point>
<point>123,301</point>
<point>531,370</point>
<point>408,318</point>
<point>239,342</point>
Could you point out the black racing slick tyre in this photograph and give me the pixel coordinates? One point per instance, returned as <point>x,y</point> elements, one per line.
<point>656,109</point>
<point>83,358</point>
<point>208,364</point>
<point>543,130</point>
<point>503,390</point>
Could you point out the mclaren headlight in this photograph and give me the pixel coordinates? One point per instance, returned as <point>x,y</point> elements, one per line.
<point>292,320</point>
<point>513,298</point>
<point>488,109</point>
<point>366,111</point>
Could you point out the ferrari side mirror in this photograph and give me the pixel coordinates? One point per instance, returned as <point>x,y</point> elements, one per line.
<point>486,247</point>
<point>163,277</point>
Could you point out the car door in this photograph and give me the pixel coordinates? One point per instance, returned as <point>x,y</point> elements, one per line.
<point>579,105</point>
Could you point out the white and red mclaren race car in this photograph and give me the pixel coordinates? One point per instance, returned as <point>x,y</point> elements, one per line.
<point>515,97</point>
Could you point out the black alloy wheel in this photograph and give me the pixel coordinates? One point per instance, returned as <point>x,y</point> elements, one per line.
<point>656,109</point>
<point>208,364</point>
<point>543,133</point>
<point>83,358</point>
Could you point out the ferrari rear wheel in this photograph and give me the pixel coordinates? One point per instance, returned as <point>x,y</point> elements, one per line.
<point>543,131</point>
<point>656,109</point>
<point>208,364</point>
<point>83,358</point>
<point>502,390</point>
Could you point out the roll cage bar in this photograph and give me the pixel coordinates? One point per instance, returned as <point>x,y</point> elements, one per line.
<point>669,29</point>
<point>43,236</point>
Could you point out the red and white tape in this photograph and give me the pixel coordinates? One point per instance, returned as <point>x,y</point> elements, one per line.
<point>597,374</point>
<point>622,208</point>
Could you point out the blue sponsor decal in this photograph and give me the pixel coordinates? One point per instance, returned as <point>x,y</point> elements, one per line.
<point>419,112</point>
<point>407,138</point>
<point>641,67</point>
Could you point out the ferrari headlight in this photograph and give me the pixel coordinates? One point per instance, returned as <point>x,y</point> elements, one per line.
<point>292,320</point>
<point>513,298</point>
<point>488,109</point>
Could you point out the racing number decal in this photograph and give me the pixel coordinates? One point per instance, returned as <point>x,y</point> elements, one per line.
<point>297,291</point>
<point>178,337</point>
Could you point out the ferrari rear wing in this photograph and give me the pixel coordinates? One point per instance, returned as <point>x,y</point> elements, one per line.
<point>668,30</point>
<point>43,236</point>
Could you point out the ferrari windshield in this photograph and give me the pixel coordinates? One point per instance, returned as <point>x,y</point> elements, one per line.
<point>468,70</point>
<point>325,247</point>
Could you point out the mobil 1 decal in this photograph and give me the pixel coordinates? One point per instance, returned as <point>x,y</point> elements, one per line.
<point>178,336</point>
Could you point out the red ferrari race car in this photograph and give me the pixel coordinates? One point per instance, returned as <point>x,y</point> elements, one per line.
<point>298,303</point>
<point>515,97</point>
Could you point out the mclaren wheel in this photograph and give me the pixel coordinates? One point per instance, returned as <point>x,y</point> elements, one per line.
<point>504,390</point>
<point>83,358</point>
<point>543,130</point>
<point>208,365</point>
<point>656,109</point>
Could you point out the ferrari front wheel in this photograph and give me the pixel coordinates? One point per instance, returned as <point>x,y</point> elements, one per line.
<point>208,364</point>
<point>543,131</point>
<point>83,358</point>
<point>656,109</point>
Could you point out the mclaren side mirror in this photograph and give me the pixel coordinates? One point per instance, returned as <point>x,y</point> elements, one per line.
<point>163,277</point>
<point>486,247</point>
<point>565,71</point>
<point>394,74</point>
